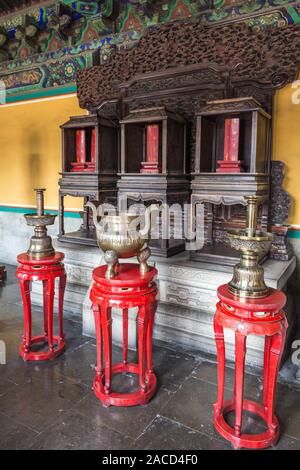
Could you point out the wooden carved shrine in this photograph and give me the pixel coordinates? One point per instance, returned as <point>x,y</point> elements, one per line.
<point>153,167</point>
<point>223,78</point>
<point>89,169</point>
<point>232,160</point>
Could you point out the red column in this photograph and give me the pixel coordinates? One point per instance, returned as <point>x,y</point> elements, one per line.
<point>151,165</point>
<point>231,162</point>
<point>79,164</point>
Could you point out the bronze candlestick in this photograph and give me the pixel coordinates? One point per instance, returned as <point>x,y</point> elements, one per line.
<point>40,242</point>
<point>248,277</point>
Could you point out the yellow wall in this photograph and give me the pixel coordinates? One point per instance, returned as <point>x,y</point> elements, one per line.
<point>30,149</point>
<point>286,144</point>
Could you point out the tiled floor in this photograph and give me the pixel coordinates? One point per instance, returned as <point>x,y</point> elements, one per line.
<point>52,406</point>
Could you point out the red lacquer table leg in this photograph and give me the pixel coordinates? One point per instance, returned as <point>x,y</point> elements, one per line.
<point>107,338</point>
<point>50,303</point>
<point>45,308</point>
<point>98,331</point>
<point>125,335</point>
<point>25,292</point>
<point>61,294</point>
<point>142,331</point>
<point>152,309</point>
<point>240,342</point>
<point>219,336</point>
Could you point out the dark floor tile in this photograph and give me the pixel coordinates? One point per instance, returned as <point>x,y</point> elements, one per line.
<point>207,371</point>
<point>286,443</point>
<point>15,369</point>
<point>11,275</point>
<point>19,371</point>
<point>13,435</point>
<point>74,431</point>
<point>192,405</point>
<point>79,364</point>
<point>171,367</point>
<point>73,335</point>
<point>287,410</point>
<point>131,421</point>
<point>10,314</point>
<point>164,434</point>
<point>12,337</point>
<point>5,385</point>
<point>10,293</point>
<point>38,402</point>
<point>288,375</point>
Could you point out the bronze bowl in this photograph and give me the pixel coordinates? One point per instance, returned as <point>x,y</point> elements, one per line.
<point>42,220</point>
<point>241,240</point>
<point>119,237</point>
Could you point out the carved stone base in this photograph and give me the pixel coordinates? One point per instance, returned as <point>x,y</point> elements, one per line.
<point>2,274</point>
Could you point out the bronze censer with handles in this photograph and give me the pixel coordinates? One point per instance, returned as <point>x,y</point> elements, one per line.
<point>121,237</point>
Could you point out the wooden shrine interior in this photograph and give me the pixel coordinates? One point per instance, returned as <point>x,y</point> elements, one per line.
<point>191,74</point>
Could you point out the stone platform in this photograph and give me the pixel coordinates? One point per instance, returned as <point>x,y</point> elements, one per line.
<point>187,299</point>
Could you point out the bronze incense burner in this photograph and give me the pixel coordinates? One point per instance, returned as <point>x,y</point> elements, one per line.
<point>248,277</point>
<point>40,242</point>
<point>120,236</point>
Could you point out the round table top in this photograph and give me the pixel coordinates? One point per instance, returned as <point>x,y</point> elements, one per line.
<point>23,258</point>
<point>128,275</point>
<point>274,301</point>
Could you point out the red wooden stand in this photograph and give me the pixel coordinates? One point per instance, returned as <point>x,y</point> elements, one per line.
<point>259,317</point>
<point>45,270</point>
<point>128,289</point>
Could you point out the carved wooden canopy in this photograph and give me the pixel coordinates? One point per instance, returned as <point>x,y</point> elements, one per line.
<point>231,59</point>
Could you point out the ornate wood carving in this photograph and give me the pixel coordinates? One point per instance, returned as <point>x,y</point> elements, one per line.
<point>262,62</point>
<point>280,204</point>
<point>280,199</point>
